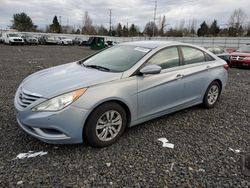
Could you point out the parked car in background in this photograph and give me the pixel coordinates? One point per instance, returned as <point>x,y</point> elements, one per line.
<point>96,98</point>
<point>50,39</point>
<point>29,39</point>
<point>1,38</point>
<point>12,38</point>
<point>110,43</point>
<point>41,39</point>
<point>221,53</point>
<point>241,57</point>
<point>78,40</point>
<point>46,39</point>
<point>64,41</point>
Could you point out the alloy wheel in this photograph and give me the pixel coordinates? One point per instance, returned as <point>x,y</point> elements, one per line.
<point>108,125</point>
<point>213,94</point>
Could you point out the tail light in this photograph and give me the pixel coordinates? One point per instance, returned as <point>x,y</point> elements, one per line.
<point>226,66</point>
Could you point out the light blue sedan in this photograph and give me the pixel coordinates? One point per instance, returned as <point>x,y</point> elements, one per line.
<point>96,98</point>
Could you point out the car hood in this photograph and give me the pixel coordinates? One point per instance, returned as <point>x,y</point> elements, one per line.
<point>61,79</point>
<point>240,54</point>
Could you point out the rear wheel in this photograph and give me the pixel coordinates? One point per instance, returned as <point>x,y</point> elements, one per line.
<point>105,125</point>
<point>212,95</point>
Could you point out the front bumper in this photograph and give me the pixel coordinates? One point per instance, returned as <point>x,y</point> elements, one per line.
<point>62,127</point>
<point>16,42</point>
<point>240,63</point>
<point>67,42</point>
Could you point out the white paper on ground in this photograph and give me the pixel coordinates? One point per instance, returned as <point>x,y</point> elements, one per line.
<point>165,143</point>
<point>235,151</point>
<point>108,164</point>
<point>30,154</point>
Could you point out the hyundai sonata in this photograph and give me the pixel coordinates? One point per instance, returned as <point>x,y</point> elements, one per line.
<point>96,98</point>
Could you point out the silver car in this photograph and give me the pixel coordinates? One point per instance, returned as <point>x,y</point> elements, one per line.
<point>96,98</point>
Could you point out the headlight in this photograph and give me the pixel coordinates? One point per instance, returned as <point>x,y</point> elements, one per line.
<point>247,58</point>
<point>59,102</point>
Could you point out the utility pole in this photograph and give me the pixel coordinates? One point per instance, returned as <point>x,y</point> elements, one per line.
<point>110,21</point>
<point>60,20</point>
<point>154,18</point>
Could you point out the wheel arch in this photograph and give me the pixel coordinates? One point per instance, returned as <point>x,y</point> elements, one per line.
<point>219,81</point>
<point>215,80</point>
<point>120,102</point>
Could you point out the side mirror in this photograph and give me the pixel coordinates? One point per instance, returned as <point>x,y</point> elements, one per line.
<point>151,69</point>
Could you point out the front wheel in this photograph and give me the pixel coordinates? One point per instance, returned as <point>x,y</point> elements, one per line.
<point>105,125</point>
<point>212,95</point>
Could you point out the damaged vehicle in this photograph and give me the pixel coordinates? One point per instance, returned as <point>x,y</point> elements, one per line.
<point>12,38</point>
<point>29,39</point>
<point>94,99</point>
<point>241,57</point>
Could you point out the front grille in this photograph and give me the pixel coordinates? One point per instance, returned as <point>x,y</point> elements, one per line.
<point>18,40</point>
<point>237,58</point>
<point>26,98</point>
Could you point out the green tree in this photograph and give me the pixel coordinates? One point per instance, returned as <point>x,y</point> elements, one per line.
<point>78,31</point>
<point>232,32</point>
<point>203,30</point>
<point>22,22</point>
<point>103,31</point>
<point>150,28</point>
<point>124,31</point>
<point>133,30</point>
<point>55,27</point>
<point>119,30</point>
<point>214,29</point>
<point>248,30</point>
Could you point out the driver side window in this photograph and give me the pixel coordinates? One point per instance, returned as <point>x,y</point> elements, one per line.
<point>166,58</point>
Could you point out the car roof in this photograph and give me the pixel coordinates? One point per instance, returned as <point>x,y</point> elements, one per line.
<point>151,44</point>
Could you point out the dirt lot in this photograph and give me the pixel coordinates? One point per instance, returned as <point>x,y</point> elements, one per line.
<point>202,138</point>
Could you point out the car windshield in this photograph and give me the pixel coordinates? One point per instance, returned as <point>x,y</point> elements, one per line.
<point>117,59</point>
<point>13,35</point>
<point>244,49</point>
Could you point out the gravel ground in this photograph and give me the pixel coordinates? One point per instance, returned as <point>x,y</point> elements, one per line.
<point>202,138</point>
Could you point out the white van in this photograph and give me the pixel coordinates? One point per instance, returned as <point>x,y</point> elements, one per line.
<point>12,38</point>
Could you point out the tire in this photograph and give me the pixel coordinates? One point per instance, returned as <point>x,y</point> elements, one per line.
<point>95,134</point>
<point>212,95</point>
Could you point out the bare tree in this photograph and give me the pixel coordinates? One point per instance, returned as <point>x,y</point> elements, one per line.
<point>193,27</point>
<point>237,20</point>
<point>162,25</point>
<point>88,28</point>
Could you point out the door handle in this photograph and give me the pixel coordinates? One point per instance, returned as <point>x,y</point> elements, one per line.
<point>208,67</point>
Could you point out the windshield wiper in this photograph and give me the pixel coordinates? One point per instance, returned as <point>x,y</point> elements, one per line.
<point>97,67</point>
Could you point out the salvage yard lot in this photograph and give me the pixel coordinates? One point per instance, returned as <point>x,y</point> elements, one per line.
<point>201,156</point>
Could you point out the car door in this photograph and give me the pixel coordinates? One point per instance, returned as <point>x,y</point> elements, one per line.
<point>197,66</point>
<point>159,92</point>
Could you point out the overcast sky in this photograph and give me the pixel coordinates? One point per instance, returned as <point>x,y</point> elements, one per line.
<point>131,11</point>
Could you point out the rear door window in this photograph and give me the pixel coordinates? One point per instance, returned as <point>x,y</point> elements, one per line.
<point>166,58</point>
<point>192,55</point>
